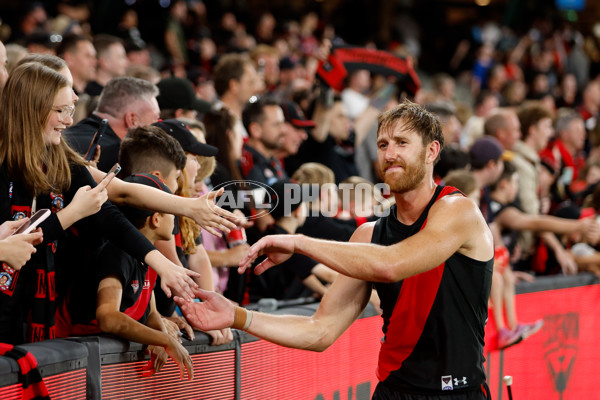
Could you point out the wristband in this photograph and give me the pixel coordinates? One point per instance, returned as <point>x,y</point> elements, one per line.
<point>249,314</point>
<point>241,318</point>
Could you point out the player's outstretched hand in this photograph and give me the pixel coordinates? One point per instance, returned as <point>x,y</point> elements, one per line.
<point>215,312</point>
<point>277,248</point>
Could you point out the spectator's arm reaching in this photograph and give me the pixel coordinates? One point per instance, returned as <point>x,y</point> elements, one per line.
<point>314,284</point>
<point>227,257</point>
<point>324,273</point>
<point>168,249</point>
<point>322,118</point>
<point>202,209</point>
<point>200,263</point>
<point>564,258</point>
<point>514,219</point>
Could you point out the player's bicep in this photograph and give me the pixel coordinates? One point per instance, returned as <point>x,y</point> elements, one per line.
<point>448,230</point>
<point>456,226</point>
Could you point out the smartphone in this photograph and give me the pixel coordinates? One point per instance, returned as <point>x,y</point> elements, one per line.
<point>326,96</point>
<point>115,168</point>
<point>91,152</point>
<point>33,222</point>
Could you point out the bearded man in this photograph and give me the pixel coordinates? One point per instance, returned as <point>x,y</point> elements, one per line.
<point>430,260</point>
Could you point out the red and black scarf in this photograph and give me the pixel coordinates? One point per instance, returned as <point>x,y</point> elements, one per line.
<point>29,376</point>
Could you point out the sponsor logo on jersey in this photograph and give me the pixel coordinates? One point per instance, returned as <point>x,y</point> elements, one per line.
<point>460,382</point>
<point>447,382</point>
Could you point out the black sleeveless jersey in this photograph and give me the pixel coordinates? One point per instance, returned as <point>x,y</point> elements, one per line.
<point>434,321</point>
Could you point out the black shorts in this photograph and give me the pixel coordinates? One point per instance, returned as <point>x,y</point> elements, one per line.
<point>384,392</point>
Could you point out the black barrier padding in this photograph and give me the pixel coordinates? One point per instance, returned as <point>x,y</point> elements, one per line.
<point>552,282</point>
<point>56,350</point>
<point>61,355</point>
<point>53,357</point>
<point>8,371</point>
<point>93,373</point>
<point>115,350</point>
<point>58,355</point>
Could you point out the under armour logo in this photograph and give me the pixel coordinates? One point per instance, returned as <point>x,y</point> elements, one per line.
<point>460,382</point>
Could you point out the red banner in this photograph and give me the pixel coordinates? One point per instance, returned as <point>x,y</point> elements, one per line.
<point>558,362</point>
<point>345,59</point>
<point>561,360</point>
<point>346,370</point>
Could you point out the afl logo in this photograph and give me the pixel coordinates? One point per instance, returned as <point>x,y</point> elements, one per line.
<point>249,195</point>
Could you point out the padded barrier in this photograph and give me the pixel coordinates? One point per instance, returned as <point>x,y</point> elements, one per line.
<point>104,367</point>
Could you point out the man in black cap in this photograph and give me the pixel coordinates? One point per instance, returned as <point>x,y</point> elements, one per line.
<point>486,161</point>
<point>186,139</point>
<point>177,98</point>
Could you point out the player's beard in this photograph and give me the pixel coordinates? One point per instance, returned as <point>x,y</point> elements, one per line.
<point>411,176</point>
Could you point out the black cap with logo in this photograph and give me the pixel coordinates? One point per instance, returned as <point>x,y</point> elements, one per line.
<point>178,93</point>
<point>188,141</point>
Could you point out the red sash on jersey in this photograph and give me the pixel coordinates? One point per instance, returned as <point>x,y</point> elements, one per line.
<point>65,327</point>
<point>137,310</point>
<point>410,314</point>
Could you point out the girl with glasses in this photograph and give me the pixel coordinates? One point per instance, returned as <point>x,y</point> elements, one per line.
<point>39,170</point>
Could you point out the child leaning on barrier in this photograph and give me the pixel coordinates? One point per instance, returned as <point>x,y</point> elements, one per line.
<point>125,305</point>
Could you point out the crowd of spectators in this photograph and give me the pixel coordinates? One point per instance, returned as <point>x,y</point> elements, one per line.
<point>520,124</point>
